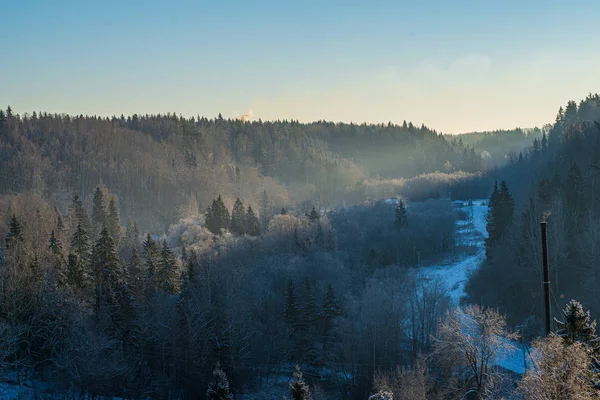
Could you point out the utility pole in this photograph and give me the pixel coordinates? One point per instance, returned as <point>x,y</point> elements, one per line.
<point>546,281</point>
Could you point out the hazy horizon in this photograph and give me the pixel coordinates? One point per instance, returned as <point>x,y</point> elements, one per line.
<point>456,68</point>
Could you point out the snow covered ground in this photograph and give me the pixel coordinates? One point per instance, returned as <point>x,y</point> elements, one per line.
<point>471,232</point>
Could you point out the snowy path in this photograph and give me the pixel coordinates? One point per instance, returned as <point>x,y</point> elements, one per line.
<point>471,232</point>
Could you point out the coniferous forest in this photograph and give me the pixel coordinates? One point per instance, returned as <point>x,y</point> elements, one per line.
<point>160,257</point>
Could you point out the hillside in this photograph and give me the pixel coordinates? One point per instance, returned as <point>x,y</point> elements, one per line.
<point>162,167</point>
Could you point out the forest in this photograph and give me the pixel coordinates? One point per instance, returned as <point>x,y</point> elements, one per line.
<point>163,257</point>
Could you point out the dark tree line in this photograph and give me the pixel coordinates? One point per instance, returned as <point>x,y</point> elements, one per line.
<point>555,180</point>
<point>163,167</point>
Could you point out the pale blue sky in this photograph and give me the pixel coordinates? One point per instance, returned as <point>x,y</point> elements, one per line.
<point>453,65</point>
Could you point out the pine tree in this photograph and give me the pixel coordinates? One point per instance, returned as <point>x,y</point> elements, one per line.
<point>314,215</point>
<point>55,246</point>
<point>167,275</point>
<point>238,218</point>
<point>544,142</point>
<point>98,211</point>
<point>501,209</point>
<point>191,266</point>
<point>113,224</point>
<point>210,220</point>
<point>217,216</point>
<point>106,270</point>
<point>252,223</point>
<point>152,255</point>
<point>577,325</point>
<point>80,246</point>
<point>298,388</point>
<point>78,215</point>
<point>14,234</point>
<point>218,388</point>
<point>401,219</point>
<point>76,276</point>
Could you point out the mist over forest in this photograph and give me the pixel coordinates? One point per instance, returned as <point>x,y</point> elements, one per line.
<point>162,257</point>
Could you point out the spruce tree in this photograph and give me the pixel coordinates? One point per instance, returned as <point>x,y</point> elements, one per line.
<point>80,245</point>
<point>14,234</point>
<point>577,325</point>
<point>501,209</point>
<point>98,211</point>
<point>298,388</point>
<point>167,275</point>
<point>218,388</point>
<point>544,142</point>
<point>252,223</point>
<point>238,218</point>
<point>78,215</point>
<point>210,220</point>
<point>152,259</point>
<point>224,219</point>
<point>401,219</point>
<point>113,224</point>
<point>76,275</point>
<point>191,266</point>
<point>217,216</point>
<point>106,270</point>
<point>55,246</point>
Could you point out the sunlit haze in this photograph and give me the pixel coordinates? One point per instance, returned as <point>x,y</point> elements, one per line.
<point>455,66</point>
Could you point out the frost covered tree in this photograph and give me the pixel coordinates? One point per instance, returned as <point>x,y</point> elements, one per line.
<point>298,388</point>
<point>382,396</point>
<point>469,343</point>
<point>563,371</point>
<point>218,388</point>
<point>577,326</point>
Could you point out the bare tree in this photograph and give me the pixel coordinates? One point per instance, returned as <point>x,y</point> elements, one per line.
<point>562,372</point>
<point>469,343</point>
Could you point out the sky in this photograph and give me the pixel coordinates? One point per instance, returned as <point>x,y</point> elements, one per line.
<point>456,66</point>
